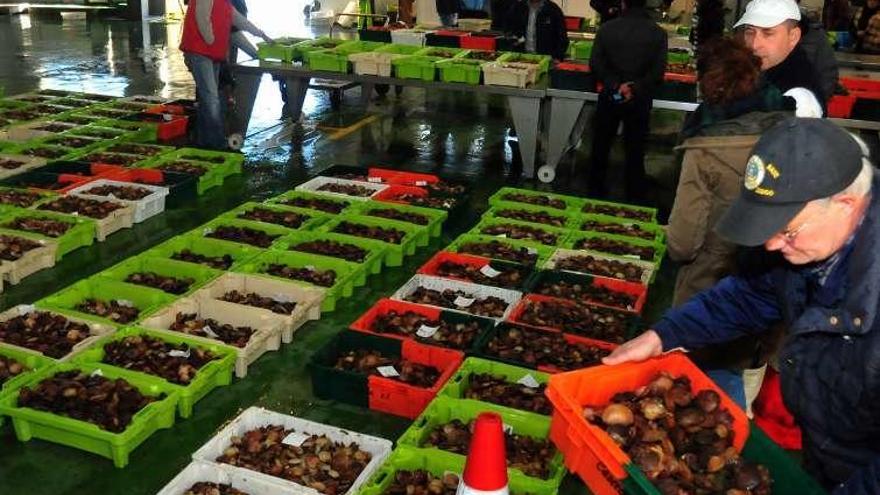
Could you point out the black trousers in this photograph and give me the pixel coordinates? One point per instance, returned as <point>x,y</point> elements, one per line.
<point>635,115</point>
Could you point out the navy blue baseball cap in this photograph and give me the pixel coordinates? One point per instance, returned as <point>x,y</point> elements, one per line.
<point>794,162</point>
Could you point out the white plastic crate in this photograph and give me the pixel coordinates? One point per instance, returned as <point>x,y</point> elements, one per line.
<point>308,299</point>
<point>560,254</point>
<point>372,64</point>
<point>314,184</point>
<point>256,417</point>
<point>96,330</point>
<point>122,218</point>
<point>32,261</point>
<point>412,37</point>
<point>28,163</point>
<point>25,132</point>
<point>509,74</point>
<point>477,291</point>
<point>199,471</point>
<point>266,337</point>
<point>145,208</point>
<point>474,25</point>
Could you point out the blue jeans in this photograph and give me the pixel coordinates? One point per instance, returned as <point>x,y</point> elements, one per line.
<point>449,20</point>
<point>731,381</point>
<point>210,127</point>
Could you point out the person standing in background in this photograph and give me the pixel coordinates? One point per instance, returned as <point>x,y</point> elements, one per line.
<point>867,30</point>
<point>607,9</point>
<point>542,24</point>
<point>448,11</point>
<point>629,60</point>
<point>820,53</point>
<point>205,43</point>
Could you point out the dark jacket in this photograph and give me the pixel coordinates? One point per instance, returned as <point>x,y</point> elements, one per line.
<point>550,32</point>
<point>448,7</point>
<point>631,48</point>
<point>820,53</point>
<point>607,9</point>
<point>796,71</point>
<point>830,361</point>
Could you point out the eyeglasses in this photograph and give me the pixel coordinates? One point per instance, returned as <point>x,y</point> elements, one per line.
<point>790,235</point>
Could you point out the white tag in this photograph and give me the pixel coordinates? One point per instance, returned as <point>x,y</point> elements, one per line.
<point>531,250</point>
<point>631,256</point>
<point>125,302</point>
<point>529,381</point>
<point>76,213</point>
<point>426,332</point>
<point>209,332</point>
<point>41,242</point>
<point>388,371</point>
<point>374,179</point>
<point>97,373</point>
<point>311,268</point>
<point>503,236</point>
<point>508,430</point>
<point>166,117</point>
<point>25,309</point>
<point>111,196</point>
<point>421,183</point>
<point>179,353</point>
<point>295,439</point>
<point>488,271</point>
<point>463,302</point>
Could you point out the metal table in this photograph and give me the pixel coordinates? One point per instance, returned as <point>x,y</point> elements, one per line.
<point>524,103</point>
<point>859,61</point>
<point>565,109</point>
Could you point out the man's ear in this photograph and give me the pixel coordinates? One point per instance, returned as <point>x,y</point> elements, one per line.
<point>794,36</point>
<point>847,202</point>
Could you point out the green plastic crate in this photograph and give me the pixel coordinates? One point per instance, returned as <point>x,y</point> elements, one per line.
<point>66,300</point>
<point>394,253</point>
<point>416,67</point>
<point>456,387</point>
<point>443,410</point>
<point>351,47</point>
<point>312,221</point>
<point>346,273</point>
<point>31,423</point>
<point>216,373</point>
<point>137,132</point>
<point>651,212</point>
<point>438,463</point>
<point>44,197</point>
<point>230,165</point>
<point>304,48</point>
<point>580,50</point>
<point>659,235</point>
<point>543,61</point>
<point>273,230</point>
<point>282,200</point>
<point>542,252</point>
<point>659,247</point>
<point>30,360</point>
<point>435,217</point>
<point>441,52</point>
<point>29,147</point>
<point>572,203</point>
<point>565,218</point>
<point>398,49</point>
<point>329,60</point>
<point>204,182</point>
<point>80,234</point>
<point>279,49</point>
<point>460,71</point>
<point>679,57</point>
<point>560,233</point>
<point>240,253</point>
<point>372,263</point>
<point>165,267</point>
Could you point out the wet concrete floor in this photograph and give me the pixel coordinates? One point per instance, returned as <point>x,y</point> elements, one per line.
<point>446,133</point>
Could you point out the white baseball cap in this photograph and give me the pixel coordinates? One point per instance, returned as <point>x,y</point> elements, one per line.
<point>769,13</point>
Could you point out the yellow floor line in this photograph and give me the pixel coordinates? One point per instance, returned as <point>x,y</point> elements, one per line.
<point>345,131</point>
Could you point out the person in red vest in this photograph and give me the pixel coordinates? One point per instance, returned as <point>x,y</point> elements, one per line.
<point>205,46</point>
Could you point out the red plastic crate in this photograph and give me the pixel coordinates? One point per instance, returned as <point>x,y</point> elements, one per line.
<point>72,180</point>
<point>579,459</point>
<point>138,175</point>
<point>858,84</point>
<point>571,392</point>
<point>430,267</point>
<point>573,23</point>
<point>521,306</point>
<point>682,78</point>
<point>383,306</point>
<point>393,193</point>
<point>479,43</point>
<point>840,106</point>
<point>167,108</point>
<point>406,400</point>
<point>639,291</point>
<point>573,66</point>
<point>169,125</point>
<point>401,178</point>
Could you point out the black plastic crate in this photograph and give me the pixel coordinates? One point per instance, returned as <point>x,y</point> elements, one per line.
<point>380,35</point>
<point>574,80</point>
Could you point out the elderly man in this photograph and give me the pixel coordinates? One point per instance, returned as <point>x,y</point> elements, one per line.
<point>771,29</point>
<point>806,196</point>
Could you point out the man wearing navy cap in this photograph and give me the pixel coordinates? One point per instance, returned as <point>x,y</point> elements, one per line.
<point>807,196</point>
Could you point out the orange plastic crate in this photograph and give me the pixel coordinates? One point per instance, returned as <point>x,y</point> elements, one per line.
<point>571,392</point>
<point>401,178</point>
<point>534,298</point>
<point>394,194</point>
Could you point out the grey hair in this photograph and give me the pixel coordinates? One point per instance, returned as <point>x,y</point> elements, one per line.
<point>861,185</point>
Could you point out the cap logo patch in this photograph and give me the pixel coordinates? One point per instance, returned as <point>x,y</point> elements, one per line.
<point>772,171</point>
<point>755,172</point>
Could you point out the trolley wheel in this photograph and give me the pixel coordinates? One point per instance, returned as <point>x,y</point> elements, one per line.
<point>235,141</point>
<point>546,174</point>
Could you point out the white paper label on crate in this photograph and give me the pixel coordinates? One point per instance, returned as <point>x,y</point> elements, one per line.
<point>111,196</point>
<point>42,242</point>
<point>97,373</point>
<point>179,353</point>
<point>507,429</point>
<point>388,371</point>
<point>426,332</point>
<point>26,308</point>
<point>295,439</point>
<point>531,250</point>
<point>125,302</point>
<point>421,183</point>
<point>374,179</point>
<point>310,267</point>
<point>463,302</point>
<point>207,231</point>
<point>529,381</point>
<point>488,271</point>
<point>166,117</point>
<point>209,332</point>
<point>76,213</point>
<point>503,236</point>
<point>632,256</point>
